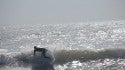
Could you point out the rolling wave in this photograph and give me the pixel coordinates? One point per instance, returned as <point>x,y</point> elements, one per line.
<point>61,57</point>
<point>36,62</point>
<point>68,56</point>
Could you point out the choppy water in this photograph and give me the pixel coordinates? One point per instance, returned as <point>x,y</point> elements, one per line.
<point>83,46</point>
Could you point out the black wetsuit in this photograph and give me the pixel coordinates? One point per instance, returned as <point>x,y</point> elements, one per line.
<point>43,50</point>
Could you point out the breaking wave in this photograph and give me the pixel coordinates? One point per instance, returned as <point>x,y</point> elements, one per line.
<point>62,57</point>
<point>68,56</point>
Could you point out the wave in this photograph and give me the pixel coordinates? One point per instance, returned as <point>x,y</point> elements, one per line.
<point>86,55</point>
<point>61,57</point>
<point>27,60</point>
<point>106,64</point>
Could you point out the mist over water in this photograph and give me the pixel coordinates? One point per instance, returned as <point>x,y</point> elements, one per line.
<point>81,46</point>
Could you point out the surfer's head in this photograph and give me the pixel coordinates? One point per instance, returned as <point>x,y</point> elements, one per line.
<point>35,47</point>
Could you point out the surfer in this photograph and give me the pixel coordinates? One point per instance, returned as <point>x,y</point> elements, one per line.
<point>43,50</point>
<point>42,64</point>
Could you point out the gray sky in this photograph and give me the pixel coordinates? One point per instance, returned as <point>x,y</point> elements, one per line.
<point>60,11</point>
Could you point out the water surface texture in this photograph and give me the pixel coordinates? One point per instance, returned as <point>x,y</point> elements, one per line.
<point>81,46</point>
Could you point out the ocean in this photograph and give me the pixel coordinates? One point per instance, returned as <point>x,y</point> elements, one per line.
<point>76,46</point>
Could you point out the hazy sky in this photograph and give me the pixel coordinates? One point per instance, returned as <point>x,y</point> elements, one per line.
<point>60,11</point>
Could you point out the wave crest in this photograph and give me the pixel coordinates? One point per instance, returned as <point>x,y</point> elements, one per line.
<point>64,56</point>
<point>68,56</point>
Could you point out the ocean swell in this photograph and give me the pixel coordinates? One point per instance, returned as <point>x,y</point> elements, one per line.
<point>63,56</point>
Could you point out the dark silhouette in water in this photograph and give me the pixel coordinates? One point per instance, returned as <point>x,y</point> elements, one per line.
<point>43,50</point>
<point>39,63</point>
